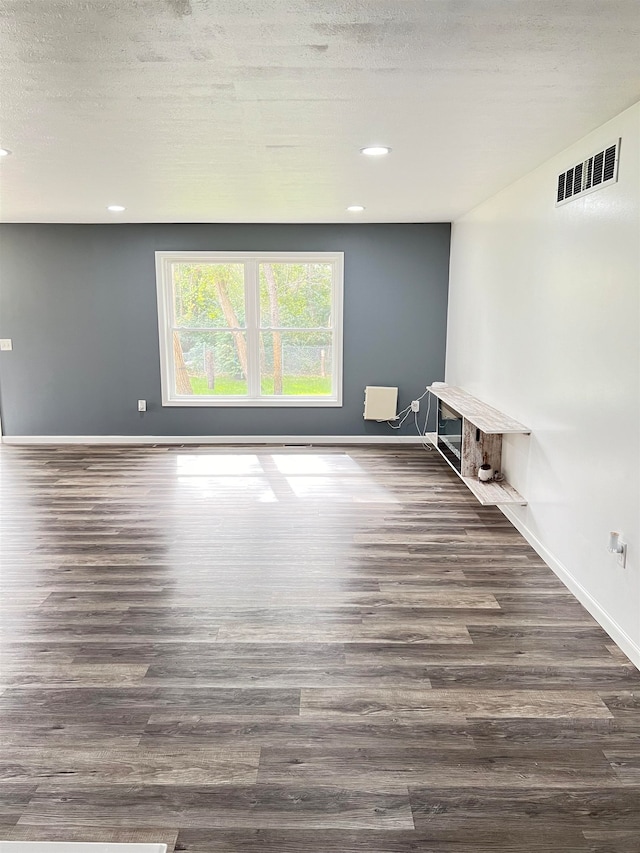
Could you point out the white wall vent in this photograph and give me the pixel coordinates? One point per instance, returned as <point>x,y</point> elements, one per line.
<point>594,173</point>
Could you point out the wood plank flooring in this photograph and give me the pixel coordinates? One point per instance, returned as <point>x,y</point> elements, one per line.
<point>278,650</point>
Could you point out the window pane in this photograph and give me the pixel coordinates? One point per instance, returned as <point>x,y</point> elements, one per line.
<point>210,363</point>
<point>296,363</point>
<point>208,295</point>
<point>294,294</point>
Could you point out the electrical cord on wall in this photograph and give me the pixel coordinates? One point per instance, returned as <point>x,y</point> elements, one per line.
<point>403,415</point>
<point>425,443</point>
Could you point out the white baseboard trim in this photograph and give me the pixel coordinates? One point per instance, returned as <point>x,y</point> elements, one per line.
<point>617,634</point>
<point>213,439</point>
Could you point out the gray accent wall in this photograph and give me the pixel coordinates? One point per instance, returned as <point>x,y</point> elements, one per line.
<point>79,303</point>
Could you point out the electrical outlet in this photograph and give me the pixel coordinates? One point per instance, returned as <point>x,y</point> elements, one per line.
<point>415,405</point>
<point>142,405</point>
<point>6,344</point>
<point>618,547</point>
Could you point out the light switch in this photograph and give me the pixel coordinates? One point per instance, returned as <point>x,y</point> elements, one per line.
<point>6,344</point>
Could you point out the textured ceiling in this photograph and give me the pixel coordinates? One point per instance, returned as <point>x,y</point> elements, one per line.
<point>254,110</point>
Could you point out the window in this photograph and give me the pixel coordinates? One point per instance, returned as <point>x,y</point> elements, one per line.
<point>250,329</point>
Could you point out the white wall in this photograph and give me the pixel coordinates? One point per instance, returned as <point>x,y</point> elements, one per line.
<point>544,323</point>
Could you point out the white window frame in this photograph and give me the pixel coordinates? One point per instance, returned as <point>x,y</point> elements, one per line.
<point>166,326</point>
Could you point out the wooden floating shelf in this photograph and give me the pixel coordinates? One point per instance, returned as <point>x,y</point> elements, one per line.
<point>494,493</point>
<point>482,416</point>
<point>477,415</point>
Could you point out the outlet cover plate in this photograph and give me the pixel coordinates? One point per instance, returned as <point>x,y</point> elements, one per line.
<point>622,555</point>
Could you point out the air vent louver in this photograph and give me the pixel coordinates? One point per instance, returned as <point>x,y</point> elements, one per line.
<point>594,173</point>
<point>598,160</point>
<point>609,163</point>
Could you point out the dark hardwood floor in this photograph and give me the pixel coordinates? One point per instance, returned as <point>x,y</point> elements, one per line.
<point>297,650</point>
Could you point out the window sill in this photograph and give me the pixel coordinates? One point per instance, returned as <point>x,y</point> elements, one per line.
<point>261,403</point>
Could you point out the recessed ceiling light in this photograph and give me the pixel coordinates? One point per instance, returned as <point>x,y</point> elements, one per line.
<point>116,208</point>
<point>4,152</point>
<point>375,150</point>
<point>355,208</point>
